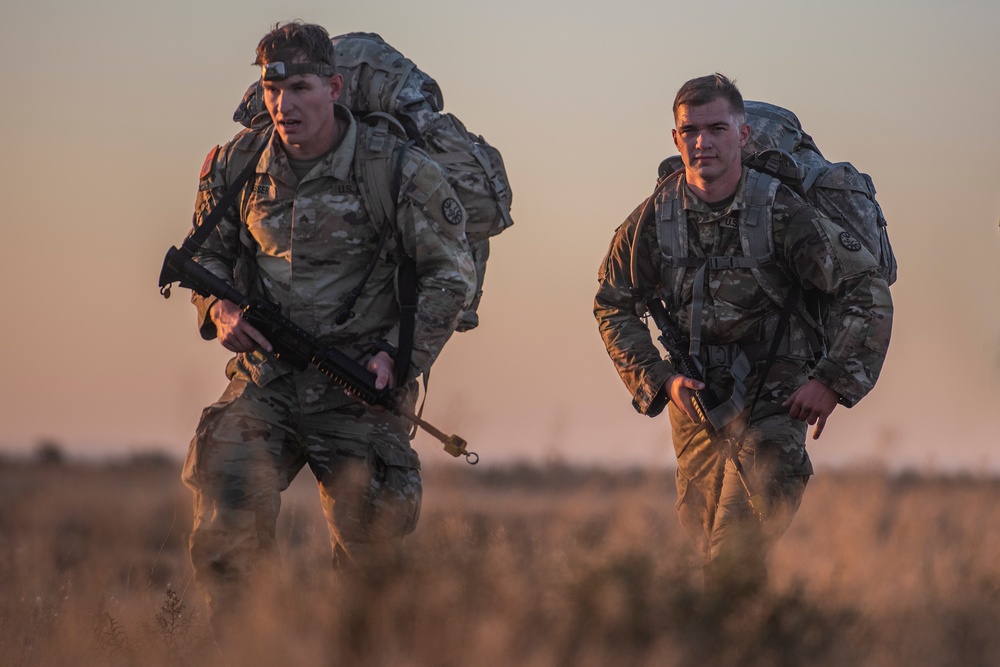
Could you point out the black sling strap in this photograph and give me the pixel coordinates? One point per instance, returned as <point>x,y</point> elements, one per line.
<point>407,278</point>
<point>200,235</point>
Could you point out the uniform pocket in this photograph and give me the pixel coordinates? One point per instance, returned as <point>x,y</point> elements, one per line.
<point>394,500</point>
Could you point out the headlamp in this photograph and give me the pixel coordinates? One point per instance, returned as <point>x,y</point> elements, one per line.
<point>280,71</point>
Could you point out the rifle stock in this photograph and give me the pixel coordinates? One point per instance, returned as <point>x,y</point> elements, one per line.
<point>296,346</point>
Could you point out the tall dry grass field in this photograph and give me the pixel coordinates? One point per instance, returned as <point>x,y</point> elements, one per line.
<point>511,567</point>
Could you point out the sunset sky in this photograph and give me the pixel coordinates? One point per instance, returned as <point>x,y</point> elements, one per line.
<point>111,105</point>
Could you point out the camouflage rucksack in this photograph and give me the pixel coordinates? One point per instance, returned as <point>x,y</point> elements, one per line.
<point>779,151</point>
<point>380,80</point>
<point>779,146</point>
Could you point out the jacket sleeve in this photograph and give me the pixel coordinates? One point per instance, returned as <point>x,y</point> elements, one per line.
<point>617,308</point>
<point>859,324</point>
<point>431,223</point>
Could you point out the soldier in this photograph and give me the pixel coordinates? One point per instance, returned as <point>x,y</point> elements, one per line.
<point>300,235</point>
<point>713,294</point>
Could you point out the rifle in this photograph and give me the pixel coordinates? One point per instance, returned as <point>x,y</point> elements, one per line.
<point>296,346</point>
<point>722,435</point>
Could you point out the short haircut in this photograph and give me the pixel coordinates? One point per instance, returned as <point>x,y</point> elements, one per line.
<point>289,41</point>
<point>707,89</point>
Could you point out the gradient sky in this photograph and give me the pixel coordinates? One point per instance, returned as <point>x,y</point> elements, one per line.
<point>111,106</point>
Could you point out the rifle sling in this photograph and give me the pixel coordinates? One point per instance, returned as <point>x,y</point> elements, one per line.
<point>407,280</point>
<point>200,235</point>
<point>407,269</point>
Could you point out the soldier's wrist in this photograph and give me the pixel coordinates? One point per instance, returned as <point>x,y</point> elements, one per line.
<point>383,346</point>
<point>210,308</point>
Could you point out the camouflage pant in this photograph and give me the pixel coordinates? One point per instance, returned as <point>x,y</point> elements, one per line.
<point>246,451</point>
<point>713,504</point>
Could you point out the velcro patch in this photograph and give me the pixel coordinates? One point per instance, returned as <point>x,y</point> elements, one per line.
<point>452,211</point>
<point>849,242</point>
<point>206,168</point>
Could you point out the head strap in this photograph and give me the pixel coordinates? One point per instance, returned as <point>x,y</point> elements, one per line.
<point>280,71</point>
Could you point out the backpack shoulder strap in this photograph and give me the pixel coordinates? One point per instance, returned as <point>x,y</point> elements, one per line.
<point>375,164</point>
<point>756,228</point>
<point>672,233</point>
<point>757,239</point>
<point>379,158</point>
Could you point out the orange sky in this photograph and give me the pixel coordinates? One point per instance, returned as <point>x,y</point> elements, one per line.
<point>111,107</point>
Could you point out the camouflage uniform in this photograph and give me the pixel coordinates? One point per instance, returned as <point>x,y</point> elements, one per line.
<point>311,242</point>
<point>378,78</point>
<point>808,247</point>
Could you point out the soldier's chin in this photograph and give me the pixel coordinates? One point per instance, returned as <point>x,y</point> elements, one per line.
<point>287,133</point>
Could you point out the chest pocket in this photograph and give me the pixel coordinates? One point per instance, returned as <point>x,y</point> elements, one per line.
<point>737,289</point>
<point>268,213</point>
<point>328,218</point>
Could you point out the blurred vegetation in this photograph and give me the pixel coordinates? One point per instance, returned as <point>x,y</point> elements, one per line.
<point>509,566</point>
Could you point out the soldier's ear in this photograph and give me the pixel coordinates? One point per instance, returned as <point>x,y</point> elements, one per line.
<point>744,134</point>
<point>336,87</point>
<point>677,142</point>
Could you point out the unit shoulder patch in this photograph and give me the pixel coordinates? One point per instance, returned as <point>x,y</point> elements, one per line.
<point>848,241</point>
<point>451,210</point>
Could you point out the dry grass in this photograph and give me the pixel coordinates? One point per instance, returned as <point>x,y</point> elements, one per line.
<point>508,567</point>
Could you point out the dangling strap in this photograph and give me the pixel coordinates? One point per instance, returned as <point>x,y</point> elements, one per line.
<point>407,281</point>
<point>779,333</point>
<point>726,412</point>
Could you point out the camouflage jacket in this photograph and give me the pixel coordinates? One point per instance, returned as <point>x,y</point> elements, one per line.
<point>808,251</point>
<point>311,241</point>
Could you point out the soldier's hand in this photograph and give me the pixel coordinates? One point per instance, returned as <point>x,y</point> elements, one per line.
<point>812,403</point>
<point>383,367</point>
<point>235,333</point>
<point>680,388</point>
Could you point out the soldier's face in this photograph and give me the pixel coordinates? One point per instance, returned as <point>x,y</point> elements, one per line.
<point>709,138</point>
<point>301,108</point>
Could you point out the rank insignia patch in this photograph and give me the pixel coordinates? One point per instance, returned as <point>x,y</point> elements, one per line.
<point>452,211</point>
<point>849,242</point>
